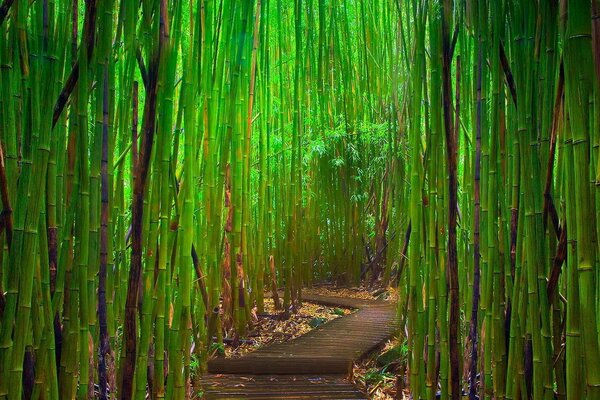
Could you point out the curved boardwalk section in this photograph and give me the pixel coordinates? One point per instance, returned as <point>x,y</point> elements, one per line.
<point>313,366</point>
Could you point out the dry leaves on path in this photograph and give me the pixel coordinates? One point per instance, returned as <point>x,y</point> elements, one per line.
<point>273,327</point>
<point>377,375</point>
<point>357,292</point>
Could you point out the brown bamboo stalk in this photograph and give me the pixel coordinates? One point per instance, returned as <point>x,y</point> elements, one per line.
<point>104,345</point>
<point>510,80</point>
<point>476,235</point>
<point>595,36</point>
<point>89,33</point>
<point>141,172</point>
<point>559,259</point>
<point>4,9</point>
<point>549,207</point>
<point>7,219</point>
<point>451,165</point>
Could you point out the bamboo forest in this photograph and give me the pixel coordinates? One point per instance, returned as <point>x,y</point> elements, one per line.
<point>303,199</point>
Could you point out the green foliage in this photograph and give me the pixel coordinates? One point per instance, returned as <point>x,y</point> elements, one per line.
<point>217,349</point>
<point>157,157</point>
<point>374,376</point>
<point>316,322</point>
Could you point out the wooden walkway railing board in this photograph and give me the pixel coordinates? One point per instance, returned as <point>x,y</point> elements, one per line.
<point>313,366</point>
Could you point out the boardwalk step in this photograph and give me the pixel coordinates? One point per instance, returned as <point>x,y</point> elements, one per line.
<point>273,365</point>
<point>279,387</point>
<point>312,366</point>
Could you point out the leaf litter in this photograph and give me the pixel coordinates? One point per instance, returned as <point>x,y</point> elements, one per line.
<point>274,326</point>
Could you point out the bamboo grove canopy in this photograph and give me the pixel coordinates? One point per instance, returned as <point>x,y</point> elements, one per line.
<point>163,162</point>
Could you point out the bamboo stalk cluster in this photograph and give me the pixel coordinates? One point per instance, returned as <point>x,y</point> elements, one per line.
<point>164,163</point>
<point>513,87</point>
<point>158,171</point>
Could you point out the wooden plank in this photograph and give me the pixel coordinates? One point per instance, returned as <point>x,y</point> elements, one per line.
<point>281,365</point>
<point>313,366</point>
<point>333,301</point>
<point>279,387</point>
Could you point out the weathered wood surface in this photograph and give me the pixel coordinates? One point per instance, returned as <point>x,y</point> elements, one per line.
<point>313,366</point>
<point>281,365</point>
<point>233,387</point>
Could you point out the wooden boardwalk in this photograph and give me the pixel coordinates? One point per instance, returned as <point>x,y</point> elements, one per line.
<point>313,366</point>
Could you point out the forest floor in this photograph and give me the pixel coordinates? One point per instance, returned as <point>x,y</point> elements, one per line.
<point>274,326</point>
<point>375,375</point>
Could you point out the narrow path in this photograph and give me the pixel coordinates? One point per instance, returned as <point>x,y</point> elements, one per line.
<point>316,365</point>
